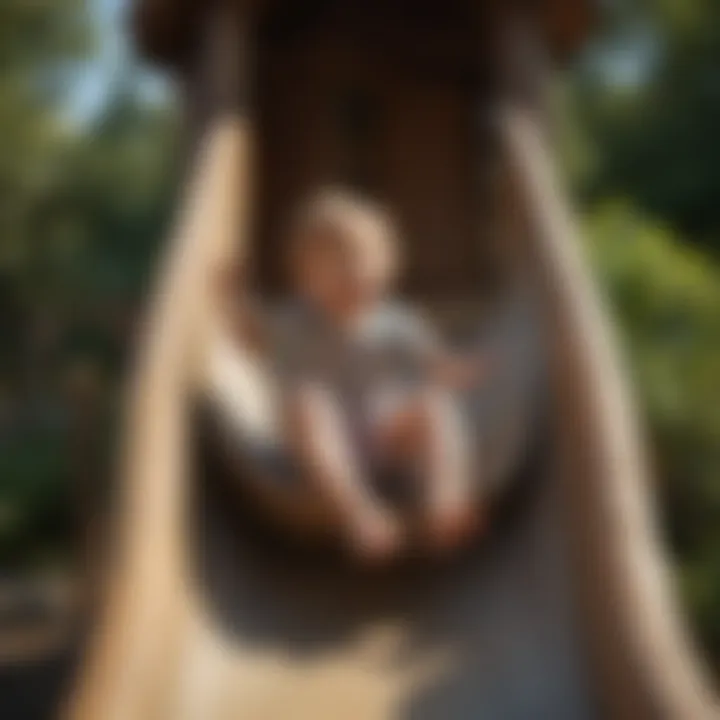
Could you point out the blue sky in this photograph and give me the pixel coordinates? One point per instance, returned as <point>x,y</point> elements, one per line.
<point>95,77</point>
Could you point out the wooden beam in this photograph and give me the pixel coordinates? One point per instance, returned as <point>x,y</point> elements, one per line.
<point>166,30</point>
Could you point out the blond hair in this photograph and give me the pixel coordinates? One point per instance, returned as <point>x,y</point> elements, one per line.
<point>357,222</point>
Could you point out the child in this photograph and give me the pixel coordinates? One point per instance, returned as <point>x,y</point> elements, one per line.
<point>366,386</point>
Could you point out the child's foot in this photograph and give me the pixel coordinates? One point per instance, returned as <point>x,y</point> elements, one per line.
<point>451,524</point>
<point>375,535</point>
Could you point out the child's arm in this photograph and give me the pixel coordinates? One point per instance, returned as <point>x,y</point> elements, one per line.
<point>448,369</point>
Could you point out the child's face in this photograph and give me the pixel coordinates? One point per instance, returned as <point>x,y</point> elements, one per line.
<point>337,274</point>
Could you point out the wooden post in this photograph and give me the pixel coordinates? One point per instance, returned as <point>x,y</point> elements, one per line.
<point>638,641</point>
<point>132,657</point>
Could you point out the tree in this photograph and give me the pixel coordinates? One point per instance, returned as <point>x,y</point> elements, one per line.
<point>644,108</point>
<point>656,133</point>
<point>666,297</point>
<point>81,208</point>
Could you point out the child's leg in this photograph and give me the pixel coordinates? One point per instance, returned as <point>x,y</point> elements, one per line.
<point>430,433</point>
<point>317,434</point>
<point>450,509</point>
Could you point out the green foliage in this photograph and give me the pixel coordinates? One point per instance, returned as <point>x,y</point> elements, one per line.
<point>646,131</point>
<point>36,497</point>
<point>37,31</point>
<point>40,43</point>
<point>659,139</point>
<point>73,270</point>
<point>81,211</point>
<point>667,299</point>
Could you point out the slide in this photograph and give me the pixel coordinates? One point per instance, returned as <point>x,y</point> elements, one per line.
<point>564,611</point>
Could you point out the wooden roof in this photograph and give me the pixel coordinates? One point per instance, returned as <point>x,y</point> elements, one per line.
<point>166,30</point>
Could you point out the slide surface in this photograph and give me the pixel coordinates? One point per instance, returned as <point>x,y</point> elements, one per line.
<point>565,612</point>
<point>491,634</point>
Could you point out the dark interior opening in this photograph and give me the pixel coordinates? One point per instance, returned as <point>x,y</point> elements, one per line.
<point>389,100</point>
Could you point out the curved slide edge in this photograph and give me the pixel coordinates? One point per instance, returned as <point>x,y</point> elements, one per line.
<point>642,648</point>
<point>130,657</point>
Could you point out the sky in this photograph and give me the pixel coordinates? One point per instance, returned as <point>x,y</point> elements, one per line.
<point>96,76</point>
